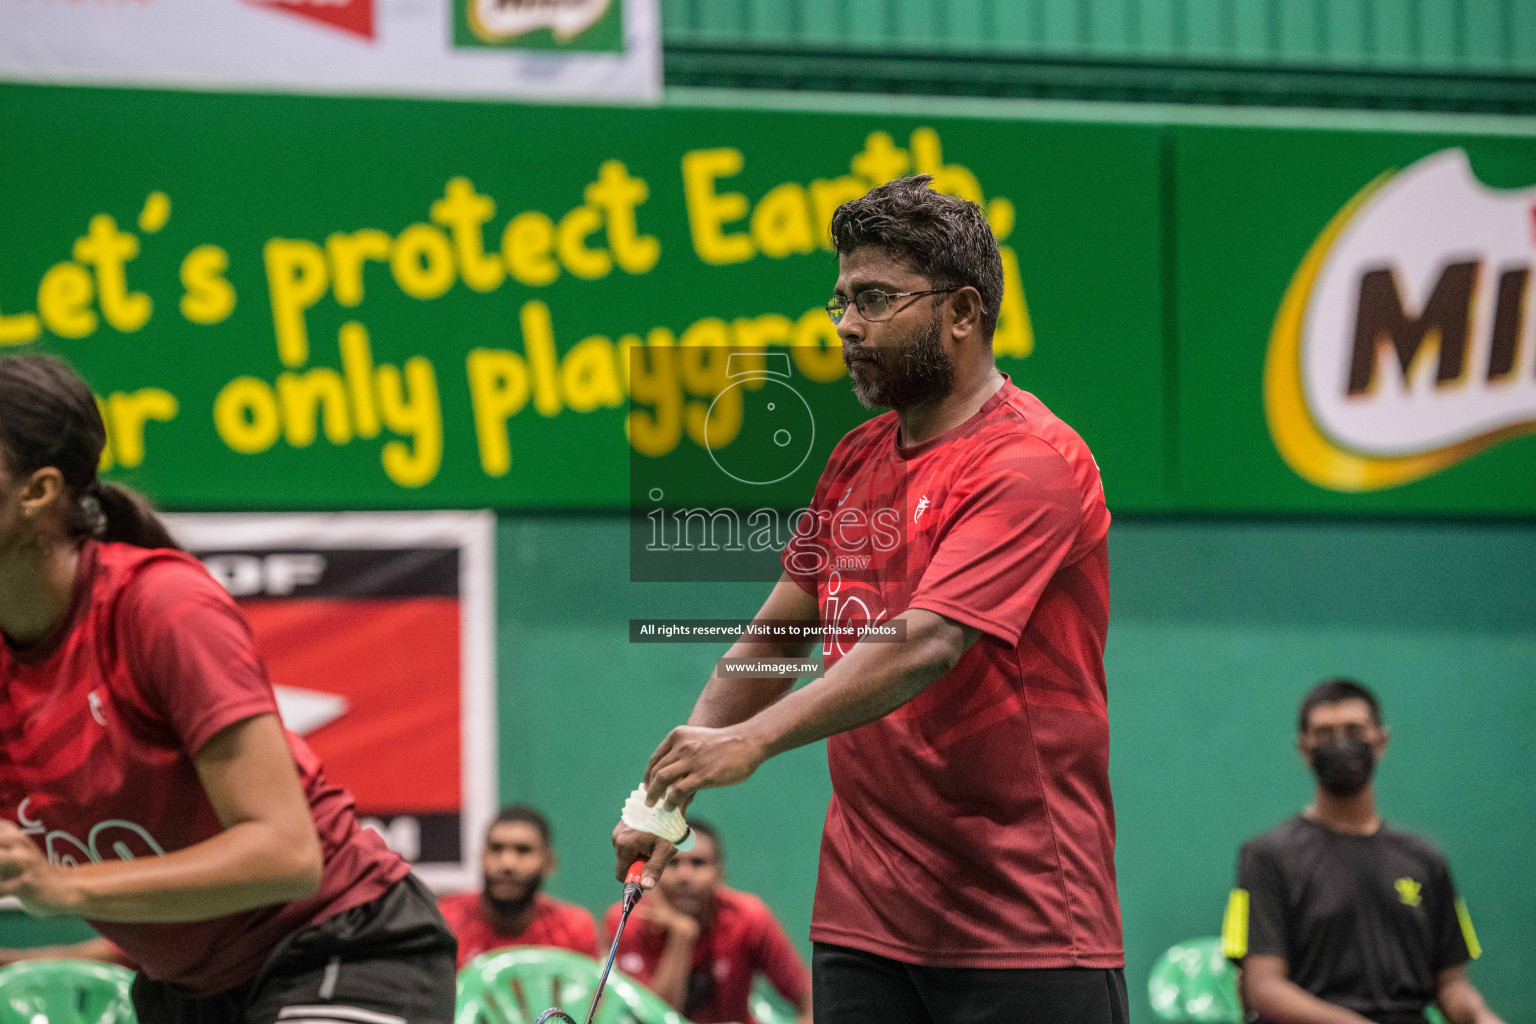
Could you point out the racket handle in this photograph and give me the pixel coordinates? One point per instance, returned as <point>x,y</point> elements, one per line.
<point>635,871</point>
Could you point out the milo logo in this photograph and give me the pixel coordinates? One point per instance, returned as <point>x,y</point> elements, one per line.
<point>1403,345</point>
<point>502,22</point>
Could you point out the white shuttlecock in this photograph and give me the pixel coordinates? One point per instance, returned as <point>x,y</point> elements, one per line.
<point>663,821</point>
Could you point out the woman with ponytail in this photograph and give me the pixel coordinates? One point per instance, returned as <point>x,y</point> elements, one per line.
<point>146,781</point>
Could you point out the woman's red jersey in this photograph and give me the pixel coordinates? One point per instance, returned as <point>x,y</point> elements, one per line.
<point>99,725</point>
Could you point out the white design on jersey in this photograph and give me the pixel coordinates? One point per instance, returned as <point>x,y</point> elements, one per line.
<point>65,850</point>
<point>94,700</point>
<point>839,612</point>
<point>922,506</point>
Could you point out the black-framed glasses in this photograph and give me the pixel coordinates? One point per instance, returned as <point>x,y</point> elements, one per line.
<point>874,304</point>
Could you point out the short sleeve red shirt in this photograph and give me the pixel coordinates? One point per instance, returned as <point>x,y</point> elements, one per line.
<point>973,826</point>
<point>555,923</point>
<point>99,725</point>
<point>741,940</point>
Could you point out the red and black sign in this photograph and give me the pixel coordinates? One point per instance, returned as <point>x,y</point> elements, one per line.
<point>366,648</point>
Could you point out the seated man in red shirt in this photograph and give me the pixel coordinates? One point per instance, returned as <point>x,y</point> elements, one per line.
<point>699,945</point>
<point>510,910</point>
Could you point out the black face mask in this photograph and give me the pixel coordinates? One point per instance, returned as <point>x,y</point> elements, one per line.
<point>1343,767</point>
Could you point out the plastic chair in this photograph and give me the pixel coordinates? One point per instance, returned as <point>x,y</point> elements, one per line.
<point>65,992</point>
<point>514,986</point>
<point>767,1006</point>
<point>1194,983</point>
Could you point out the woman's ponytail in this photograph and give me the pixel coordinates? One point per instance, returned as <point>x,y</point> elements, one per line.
<point>127,516</point>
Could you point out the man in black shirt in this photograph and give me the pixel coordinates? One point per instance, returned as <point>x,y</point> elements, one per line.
<point>1337,918</point>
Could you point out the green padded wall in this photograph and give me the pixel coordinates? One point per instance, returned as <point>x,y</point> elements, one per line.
<point>1447,35</point>
<point>1463,55</point>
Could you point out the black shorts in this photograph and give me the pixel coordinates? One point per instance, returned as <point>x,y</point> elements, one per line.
<point>389,961</point>
<point>850,986</point>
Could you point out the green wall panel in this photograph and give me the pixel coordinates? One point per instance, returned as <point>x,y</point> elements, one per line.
<point>1217,630</point>
<point>1490,36</point>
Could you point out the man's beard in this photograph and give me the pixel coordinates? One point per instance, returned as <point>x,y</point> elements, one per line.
<point>513,907</point>
<point>918,372</point>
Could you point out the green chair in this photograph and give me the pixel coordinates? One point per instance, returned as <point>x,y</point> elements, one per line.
<point>767,1006</point>
<point>1194,983</point>
<point>514,986</point>
<point>65,992</point>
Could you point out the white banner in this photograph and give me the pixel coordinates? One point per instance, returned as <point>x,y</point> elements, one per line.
<point>568,50</point>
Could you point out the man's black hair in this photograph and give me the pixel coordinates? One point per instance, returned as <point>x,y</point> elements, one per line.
<point>709,832</point>
<point>946,239</point>
<point>523,813</point>
<point>1335,691</point>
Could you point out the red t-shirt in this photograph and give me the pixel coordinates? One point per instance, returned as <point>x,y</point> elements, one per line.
<point>741,939</point>
<point>98,728</point>
<point>971,827</point>
<point>555,923</point>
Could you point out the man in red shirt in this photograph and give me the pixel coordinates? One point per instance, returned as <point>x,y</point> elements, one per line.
<point>699,945</point>
<point>967,863</point>
<point>511,910</point>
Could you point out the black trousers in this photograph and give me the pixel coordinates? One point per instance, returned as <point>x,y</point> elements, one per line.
<point>851,986</point>
<point>388,961</point>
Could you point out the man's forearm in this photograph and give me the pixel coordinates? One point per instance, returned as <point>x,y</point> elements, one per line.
<point>89,949</point>
<point>726,701</point>
<point>1463,1004</point>
<point>1285,1002</point>
<point>670,981</point>
<point>868,683</point>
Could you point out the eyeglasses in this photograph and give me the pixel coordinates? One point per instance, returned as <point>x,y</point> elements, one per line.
<point>1320,734</point>
<point>874,304</point>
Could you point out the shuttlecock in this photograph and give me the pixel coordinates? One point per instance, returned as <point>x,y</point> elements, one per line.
<point>663,820</point>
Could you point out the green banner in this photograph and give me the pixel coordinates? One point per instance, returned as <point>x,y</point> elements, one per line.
<point>312,303</point>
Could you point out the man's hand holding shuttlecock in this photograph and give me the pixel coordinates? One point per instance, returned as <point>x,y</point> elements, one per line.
<point>691,758</point>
